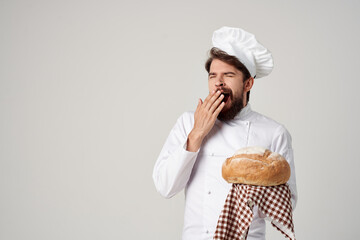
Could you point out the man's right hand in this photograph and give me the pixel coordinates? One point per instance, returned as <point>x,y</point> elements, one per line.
<point>205,117</point>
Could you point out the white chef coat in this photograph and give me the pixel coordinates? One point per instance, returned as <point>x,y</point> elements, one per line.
<point>199,173</point>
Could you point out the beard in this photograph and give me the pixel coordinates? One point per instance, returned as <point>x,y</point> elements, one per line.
<point>235,108</point>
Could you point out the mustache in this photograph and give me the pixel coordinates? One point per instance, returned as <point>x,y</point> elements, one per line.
<point>225,91</point>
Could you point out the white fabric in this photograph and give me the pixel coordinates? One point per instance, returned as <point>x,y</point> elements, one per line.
<point>200,172</point>
<point>243,45</point>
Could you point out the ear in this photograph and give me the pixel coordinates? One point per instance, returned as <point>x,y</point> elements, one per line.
<point>248,84</point>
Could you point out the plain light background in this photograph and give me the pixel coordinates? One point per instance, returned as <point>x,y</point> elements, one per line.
<point>89,91</point>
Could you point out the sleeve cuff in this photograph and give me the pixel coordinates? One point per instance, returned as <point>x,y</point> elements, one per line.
<point>188,152</point>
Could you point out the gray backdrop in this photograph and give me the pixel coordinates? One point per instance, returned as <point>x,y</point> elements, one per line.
<point>89,91</point>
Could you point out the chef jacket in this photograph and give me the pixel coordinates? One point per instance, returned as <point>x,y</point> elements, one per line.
<point>199,173</point>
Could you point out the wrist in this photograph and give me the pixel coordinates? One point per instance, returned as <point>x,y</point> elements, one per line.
<point>194,141</point>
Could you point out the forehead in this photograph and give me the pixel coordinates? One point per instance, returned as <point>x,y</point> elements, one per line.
<point>218,66</point>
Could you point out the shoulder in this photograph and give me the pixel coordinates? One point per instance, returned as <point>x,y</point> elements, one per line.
<point>186,121</point>
<point>276,128</point>
<point>186,117</point>
<point>262,120</point>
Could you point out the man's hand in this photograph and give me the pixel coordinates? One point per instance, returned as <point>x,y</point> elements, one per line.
<point>205,117</point>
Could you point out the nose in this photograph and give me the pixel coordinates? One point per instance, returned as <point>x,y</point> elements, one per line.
<point>220,82</point>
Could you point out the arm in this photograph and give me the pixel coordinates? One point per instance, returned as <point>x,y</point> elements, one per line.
<point>173,168</point>
<point>282,144</point>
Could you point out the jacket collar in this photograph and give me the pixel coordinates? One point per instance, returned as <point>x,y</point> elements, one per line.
<point>244,113</point>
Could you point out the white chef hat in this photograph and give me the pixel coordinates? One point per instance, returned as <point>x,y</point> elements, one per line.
<point>243,45</point>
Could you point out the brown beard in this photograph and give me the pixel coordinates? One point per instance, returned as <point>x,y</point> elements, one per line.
<point>235,108</point>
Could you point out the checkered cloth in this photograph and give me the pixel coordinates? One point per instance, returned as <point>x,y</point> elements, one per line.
<point>236,217</point>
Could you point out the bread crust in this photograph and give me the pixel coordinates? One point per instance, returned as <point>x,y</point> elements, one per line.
<point>256,166</point>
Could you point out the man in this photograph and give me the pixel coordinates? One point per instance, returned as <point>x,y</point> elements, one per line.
<point>224,122</point>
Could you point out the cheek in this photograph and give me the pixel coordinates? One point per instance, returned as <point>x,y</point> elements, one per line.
<point>240,87</point>
<point>238,92</point>
<point>236,89</point>
<point>211,87</point>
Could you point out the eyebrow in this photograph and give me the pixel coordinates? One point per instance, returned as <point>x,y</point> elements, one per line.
<point>226,73</point>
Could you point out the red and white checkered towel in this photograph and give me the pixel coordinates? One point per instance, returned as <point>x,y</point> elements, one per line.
<point>236,217</point>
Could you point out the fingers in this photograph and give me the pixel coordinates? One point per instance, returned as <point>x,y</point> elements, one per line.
<point>216,104</point>
<point>211,107</point>
<point>207,99</point>
<point>199,104</point>
<point>211,98</point>
<point>218,110</point>
<point>207,112</point>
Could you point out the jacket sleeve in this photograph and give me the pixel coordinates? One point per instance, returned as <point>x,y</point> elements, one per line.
<point>173,167</point>
<point>282,144</point>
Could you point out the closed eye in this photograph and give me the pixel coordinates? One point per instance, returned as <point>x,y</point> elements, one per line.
<point>211,75</point>
<point>229,74</point>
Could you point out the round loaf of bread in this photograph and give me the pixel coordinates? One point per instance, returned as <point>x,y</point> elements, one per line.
<point>256,166</point>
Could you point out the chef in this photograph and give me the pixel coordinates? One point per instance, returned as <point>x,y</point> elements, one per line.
<point>193,154</point>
